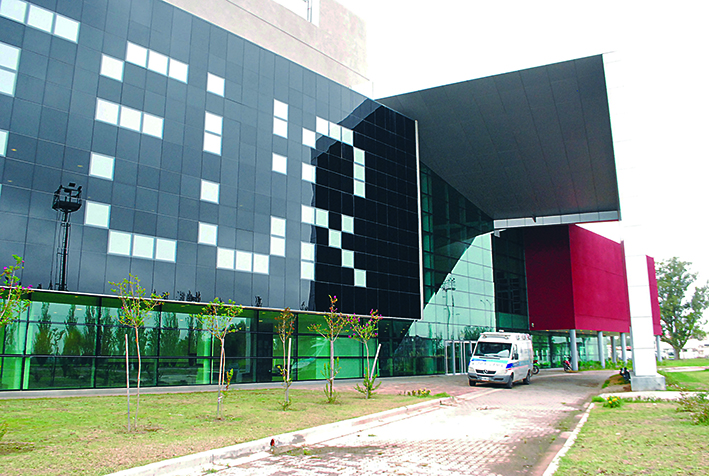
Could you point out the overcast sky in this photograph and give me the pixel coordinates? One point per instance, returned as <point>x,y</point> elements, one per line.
<point>657,87</point>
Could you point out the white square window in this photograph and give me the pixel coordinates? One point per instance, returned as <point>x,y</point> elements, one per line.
<point>359,189</point>
<point>280,164</point>
<point>280,109</point>
<point>260,263</point>
<point>209,191</point>
<point>157,62</point>
<point>152,125</point>
<point>358,156</point>
<point>307,214</point>
<point>119,243</point>
<point>165,250</point>
<point>143,246</point>
<point>207,234</point>
<point>213,123</point>
<point>347,136</point>
<point>215,84</point>
<point>66,28</point>
<point>111,68</point>
<point>40,18</point>
<point>130,118</point>
<point>280,127</point>
<point>97,214</point>
<point>212,143</point>
<point>278,226</point>
<point>347,259</point>
<point>347,224</point>
<point>3,143</point>
<point>359,172</point>
<point>107,112</point>
<point>225,258</point>
<point>278,246</point>
<point>322,126</point>
<point>322,218</point>
<point>243,261</point>
<point>360,278</point>
<point>101,166</point>
<point>335,239</point>
<point>14,10</point>
<point>307,270</point>
<point>178,70</point>
<point>308,138</point>
<point>307,251</point>
<point>309,173</point>
<point>7,82</point>
<point>136,54</point>
<point>9,57</point>
<point>335,131</point>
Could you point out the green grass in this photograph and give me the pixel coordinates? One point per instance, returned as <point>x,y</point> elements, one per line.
<point>684,363</point>
<point>692,381</point>
<point>88,435</point>
<point>638,438</point>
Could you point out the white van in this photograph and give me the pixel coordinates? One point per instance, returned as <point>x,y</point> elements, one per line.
<point>501,357</point>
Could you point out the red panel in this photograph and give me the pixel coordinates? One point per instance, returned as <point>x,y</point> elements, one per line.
<point>549,289</point>
<point>576,279</point>
<point>654,297</point>
<point>599,282</point>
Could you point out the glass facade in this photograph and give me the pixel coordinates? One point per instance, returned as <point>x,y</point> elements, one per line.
<point>209,166</point>
<point>510,281</point>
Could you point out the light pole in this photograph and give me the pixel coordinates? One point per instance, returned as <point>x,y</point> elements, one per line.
<point>66,200</point>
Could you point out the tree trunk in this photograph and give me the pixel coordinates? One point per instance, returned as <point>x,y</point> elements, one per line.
<point>677,350</point>
<point>137,397</point>
<point>220,380</point>
<point>332,366</point>
<point>128,381</point>
<point>366,369</point>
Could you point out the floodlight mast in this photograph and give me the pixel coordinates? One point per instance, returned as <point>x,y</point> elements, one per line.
<point>66,200</point>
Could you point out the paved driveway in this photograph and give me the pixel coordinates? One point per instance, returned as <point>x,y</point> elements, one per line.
<point>486,431</point>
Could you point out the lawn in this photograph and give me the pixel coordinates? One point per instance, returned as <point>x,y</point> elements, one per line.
<point>638,438</point>
<point>692,381</point>
<point>88,435</point>
<point>684,363</point>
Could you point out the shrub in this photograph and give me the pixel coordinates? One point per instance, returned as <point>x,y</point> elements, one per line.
<point>613,402</point>
<point>697,406</point>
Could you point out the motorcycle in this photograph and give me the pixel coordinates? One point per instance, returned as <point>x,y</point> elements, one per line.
<point>567,365</point>
<point>535,367</point>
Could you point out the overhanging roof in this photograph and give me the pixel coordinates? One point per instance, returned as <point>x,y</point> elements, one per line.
<point>530,143</point>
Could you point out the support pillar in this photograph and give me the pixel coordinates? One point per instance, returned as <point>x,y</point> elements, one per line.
<point>613,352</point>
<point>574,350</point>
<point>601,350</point>
<point>658,349</point>
<point>623,348</point>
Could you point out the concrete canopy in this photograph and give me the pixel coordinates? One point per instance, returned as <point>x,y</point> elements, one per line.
<point>531,143</point>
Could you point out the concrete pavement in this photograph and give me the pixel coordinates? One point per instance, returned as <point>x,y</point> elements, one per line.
<point>483,430</point>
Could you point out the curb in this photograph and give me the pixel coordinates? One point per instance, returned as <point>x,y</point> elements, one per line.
<point>554,465</point>
<point>257,449</point>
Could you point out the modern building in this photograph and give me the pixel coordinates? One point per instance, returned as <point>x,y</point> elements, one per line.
<point>221,150</point>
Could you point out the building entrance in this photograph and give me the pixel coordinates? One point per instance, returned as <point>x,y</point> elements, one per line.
<point>457,355</point>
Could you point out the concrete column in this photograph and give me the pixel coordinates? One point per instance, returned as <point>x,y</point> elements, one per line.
<point>574,350</point>
<point>623,348</point>
<point>659,350</point>
<point>613,352</point>
<point>601,350</point>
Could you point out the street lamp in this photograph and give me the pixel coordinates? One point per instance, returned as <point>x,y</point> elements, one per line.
<point>66,200</point>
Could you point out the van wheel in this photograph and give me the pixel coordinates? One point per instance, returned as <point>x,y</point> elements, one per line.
<point>511,382</point>
<point>471,383</point>
<point>528,379</point>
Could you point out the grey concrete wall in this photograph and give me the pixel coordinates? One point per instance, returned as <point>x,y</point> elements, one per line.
<point>336,48</point>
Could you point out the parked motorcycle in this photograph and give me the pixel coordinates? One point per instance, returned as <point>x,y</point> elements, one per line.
<point>567,365</point>
<point>535,367</point>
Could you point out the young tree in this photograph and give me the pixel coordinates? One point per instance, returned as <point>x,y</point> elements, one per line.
<point>134,308</point>
<point>285,324</point>
<point>12,294</point>
<point>218,318</point>
<point>681,314</point>
<point>363,330</point>
<point>335,323</point>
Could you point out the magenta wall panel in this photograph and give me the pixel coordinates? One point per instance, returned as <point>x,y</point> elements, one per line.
<point>656,324</point>
<point>575,280</point>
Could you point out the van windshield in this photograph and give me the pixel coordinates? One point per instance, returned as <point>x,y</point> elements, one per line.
<point>500,350</point>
